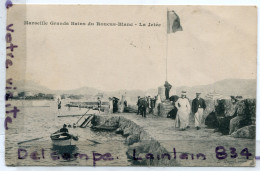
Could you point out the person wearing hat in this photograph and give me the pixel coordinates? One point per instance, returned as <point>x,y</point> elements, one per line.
<point>183,106</point>
<point>198,107</point>
<point>143,106</point>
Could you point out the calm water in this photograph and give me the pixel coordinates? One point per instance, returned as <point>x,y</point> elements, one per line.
<point>39,119</point>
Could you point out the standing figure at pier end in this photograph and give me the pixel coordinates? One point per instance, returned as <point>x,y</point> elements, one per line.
<point>168,87</point>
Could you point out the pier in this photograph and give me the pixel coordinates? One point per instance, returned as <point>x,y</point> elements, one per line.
<point>155,136</point>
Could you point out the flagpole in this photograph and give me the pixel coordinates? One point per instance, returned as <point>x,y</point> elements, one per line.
<point>166,57</point>
<point>173,25</point>
<point>166,46</point>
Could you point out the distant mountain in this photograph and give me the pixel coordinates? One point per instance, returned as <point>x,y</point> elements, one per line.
<point>79,91</point>
<point>227,87</point>
<point>31,86</point>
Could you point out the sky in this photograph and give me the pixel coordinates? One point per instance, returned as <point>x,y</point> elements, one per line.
<point>216,43</point>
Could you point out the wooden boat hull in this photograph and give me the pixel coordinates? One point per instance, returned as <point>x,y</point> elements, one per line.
<point>63,139</point>
<point>69,142</point>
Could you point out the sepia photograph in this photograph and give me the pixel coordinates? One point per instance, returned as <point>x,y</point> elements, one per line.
<point>130,85</point>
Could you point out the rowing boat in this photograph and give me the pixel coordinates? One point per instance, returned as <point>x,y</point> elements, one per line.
<point>63,139</point>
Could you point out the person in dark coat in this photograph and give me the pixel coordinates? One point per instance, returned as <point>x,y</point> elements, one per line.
<point>167,89</point>
<point>125,103</point>
<point>172,114</point>
<point>198,107</point>
<point>218,120</point>
<point>115,104</point>
<point>64,129</point>
<point>153,100</point>
<point>143,106</point>
<point>174,98</point>
<point>223,120</point>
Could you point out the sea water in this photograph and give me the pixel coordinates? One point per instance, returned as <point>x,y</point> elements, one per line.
<point>38,119</point>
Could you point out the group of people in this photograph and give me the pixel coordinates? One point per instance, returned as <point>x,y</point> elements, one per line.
<point>184,109</point>
<point>148,104</point>
<point>115,103</point>
<point>145,105</point>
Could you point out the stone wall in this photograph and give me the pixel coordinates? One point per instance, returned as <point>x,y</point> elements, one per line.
<point>233,116</point>
<point>225,107</point>
<point>164,109</point>
<point>136,138</point>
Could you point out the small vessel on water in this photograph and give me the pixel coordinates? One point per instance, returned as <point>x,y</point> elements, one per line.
<point>62,138</point>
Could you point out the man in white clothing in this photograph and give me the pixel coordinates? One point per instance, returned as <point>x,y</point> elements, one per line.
<point>183,106</point>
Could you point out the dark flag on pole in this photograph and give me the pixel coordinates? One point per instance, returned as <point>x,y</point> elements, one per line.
<point>173,25</point>
<point>173,22</point>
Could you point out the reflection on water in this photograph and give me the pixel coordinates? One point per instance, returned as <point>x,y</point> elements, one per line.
<point>40,121</point>
<point>68,153</point>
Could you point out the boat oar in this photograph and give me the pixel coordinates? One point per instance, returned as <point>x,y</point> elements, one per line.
<point>30,140</point>
<point>94,141</point>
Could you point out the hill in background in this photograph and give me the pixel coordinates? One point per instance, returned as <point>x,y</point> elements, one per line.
<point>227,87</point>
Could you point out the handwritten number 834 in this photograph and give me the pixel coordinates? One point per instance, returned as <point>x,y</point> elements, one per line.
<point>222,154</point>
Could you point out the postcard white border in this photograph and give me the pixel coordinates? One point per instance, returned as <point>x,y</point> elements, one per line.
<point>116,2</point>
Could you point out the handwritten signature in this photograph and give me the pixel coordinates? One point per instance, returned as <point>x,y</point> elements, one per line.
<point>9,82</point>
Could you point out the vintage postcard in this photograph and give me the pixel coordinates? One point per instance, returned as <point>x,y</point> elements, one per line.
<point>118,85</point>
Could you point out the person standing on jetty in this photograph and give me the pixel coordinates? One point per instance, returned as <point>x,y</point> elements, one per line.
<point>99,104</point>
<point>59,104</point>
<point>183,106</point>
<point>115,104</point>
<point>143,106</point>
<point>168,87</point>
<point>198,107</point>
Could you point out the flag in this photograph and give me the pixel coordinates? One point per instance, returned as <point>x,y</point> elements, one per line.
<point>173,22</point>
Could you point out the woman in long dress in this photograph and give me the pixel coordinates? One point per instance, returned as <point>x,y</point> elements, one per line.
<point>183,106</point>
